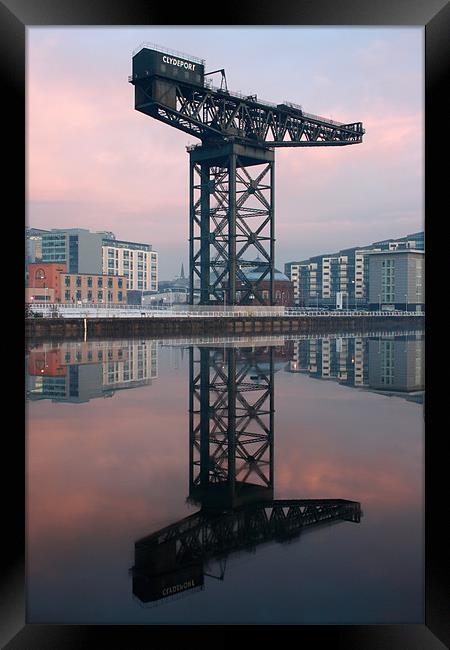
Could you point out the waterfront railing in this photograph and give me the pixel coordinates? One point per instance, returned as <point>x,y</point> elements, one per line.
<point>56,310</point>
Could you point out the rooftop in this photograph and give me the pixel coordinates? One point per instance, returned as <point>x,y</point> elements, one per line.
<point>166,50</point>
<point>397,251</point>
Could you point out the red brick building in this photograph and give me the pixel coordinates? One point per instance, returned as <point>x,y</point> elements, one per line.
<point>283,287</point>
<point>51,283</point>
<point>44,282</point>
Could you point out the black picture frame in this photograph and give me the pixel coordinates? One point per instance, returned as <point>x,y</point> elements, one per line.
<point>434,16</point>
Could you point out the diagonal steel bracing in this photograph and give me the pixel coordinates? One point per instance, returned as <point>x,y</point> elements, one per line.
<point>232,225</point>
<point>231,431</point>
<point>231,424</point>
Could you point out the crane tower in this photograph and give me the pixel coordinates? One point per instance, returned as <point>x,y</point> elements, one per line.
<point>231,205</point>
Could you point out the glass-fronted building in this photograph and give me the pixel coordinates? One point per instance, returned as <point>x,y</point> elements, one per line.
<point>80,249</point>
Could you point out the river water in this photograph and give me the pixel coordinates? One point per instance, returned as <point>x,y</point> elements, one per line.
<point>271,480</point>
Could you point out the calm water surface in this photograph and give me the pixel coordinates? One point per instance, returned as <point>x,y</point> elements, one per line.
<point>211,481</point>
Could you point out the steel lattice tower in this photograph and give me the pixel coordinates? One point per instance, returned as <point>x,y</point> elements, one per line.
<point>231,207</point>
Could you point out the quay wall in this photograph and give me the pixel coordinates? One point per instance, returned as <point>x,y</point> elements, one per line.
<point>100,328</point>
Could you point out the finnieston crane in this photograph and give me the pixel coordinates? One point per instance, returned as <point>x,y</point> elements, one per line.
<point>231,210</point>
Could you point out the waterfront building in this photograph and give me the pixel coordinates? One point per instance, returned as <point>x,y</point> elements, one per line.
<point>43,282</point>
<point>137,262</point>
<point>52,283</point>
<point>341,280</point>
<point>100,253</point>
<point>79,248</point>
<point>174,291</point>
<point>90,288</point>
<point>283,287</point>
<point>396,279</point>
<point>33,245</point>
<point>168,297</point>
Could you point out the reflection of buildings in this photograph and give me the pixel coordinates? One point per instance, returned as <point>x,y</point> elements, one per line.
<point>342,359</point>
<point>80,371</point>
<point>392,364</point>
<point>397,366</point>
<point>231,418</point>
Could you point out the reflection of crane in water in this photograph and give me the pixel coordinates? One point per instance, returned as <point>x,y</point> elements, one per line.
<point>231,477</point>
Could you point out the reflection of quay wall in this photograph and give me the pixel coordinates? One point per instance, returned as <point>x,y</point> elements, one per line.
<point>79,371</point>
<point>396,365</point>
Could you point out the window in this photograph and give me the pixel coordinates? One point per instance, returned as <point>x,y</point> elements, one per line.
<point>100,282</point>
<point>119,296</point>
<point>89,295</point>
<point>78,283</point>
<point>110,283</point>
<point>89,282</point>
<point>67,295</point>
<point>67,281</point>
<point>99,295</point>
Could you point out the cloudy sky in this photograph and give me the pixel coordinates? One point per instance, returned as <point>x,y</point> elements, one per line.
<point>94,162</point>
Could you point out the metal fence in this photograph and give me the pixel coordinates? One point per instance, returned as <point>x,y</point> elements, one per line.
<point>47,310</point>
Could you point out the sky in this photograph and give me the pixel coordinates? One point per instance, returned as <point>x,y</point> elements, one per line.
<point>95,162</point>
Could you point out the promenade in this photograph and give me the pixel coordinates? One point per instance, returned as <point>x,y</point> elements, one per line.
<point>96,321</point>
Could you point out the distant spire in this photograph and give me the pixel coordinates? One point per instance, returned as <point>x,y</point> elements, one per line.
<point>182,272</point>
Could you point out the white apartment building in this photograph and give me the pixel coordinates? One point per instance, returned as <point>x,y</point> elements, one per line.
<point>137,262</point>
